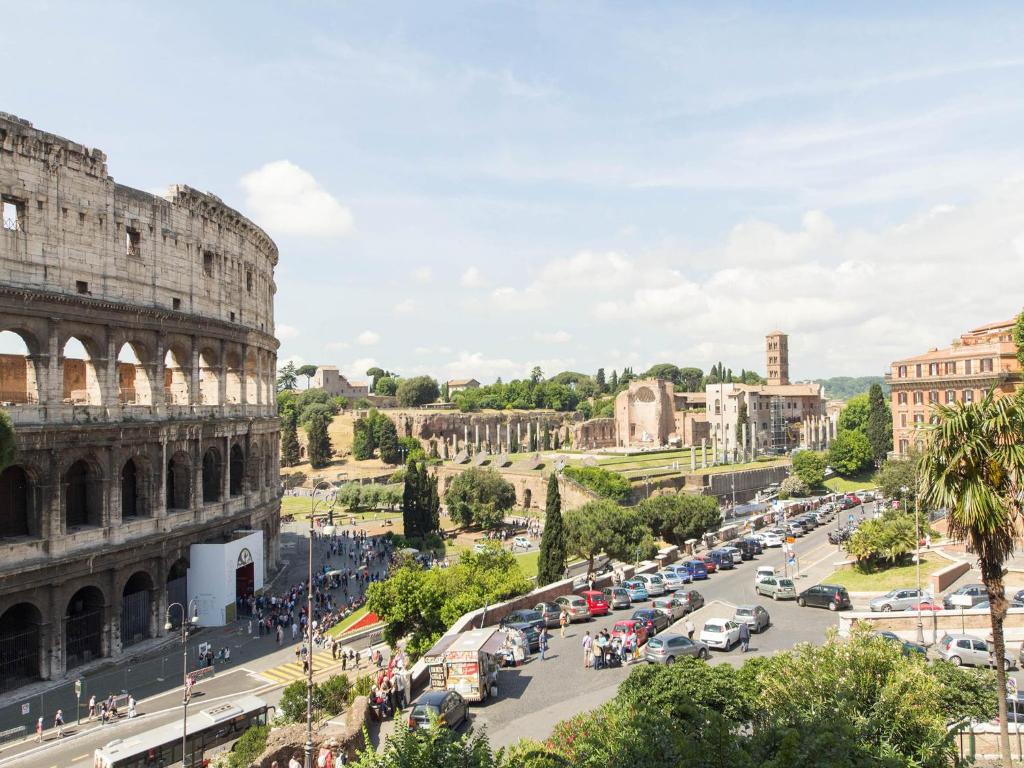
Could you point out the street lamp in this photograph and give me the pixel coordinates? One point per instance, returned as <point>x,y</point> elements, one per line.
<point>186,622</point>
<point>309,622</point>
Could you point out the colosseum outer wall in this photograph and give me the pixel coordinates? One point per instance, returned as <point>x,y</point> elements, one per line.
<point>162,434</point>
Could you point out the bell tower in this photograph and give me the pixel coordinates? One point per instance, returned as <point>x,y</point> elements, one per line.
<point>777,350</point>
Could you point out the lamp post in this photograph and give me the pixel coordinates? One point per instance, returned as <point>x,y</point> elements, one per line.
<point>309,623</point>
<point>186,622</point>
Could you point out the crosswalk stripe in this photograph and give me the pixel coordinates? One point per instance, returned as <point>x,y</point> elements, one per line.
<point>292,670</point>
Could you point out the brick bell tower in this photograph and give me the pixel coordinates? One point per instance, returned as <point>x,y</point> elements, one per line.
<point>777,351</point>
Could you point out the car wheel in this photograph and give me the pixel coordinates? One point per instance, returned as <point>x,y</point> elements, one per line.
<point>886,608</point>
<point>801,602</point>
<point>703,654</point>
<point>956,661</point>
<point>833,607</point>
<point>1006,665</point>
<point>670,660</point>
<point>775,595</point>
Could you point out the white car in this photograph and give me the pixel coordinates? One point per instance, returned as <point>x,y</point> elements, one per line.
<point>521,542</point>
<point>737,556</point>
<point>771,540</point>
<point>720,633</point>
<point>763,572</point>
<point>655,584</point>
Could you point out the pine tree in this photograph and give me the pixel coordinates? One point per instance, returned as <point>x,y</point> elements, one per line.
<point>614,380</point>
<point>547,438</point>
<point>551,562</point>
<point>289,440</point>
<point>387,442</point>
<point>879,426</point>
<point>318,442</point>
<point>599,380</point>
<point>411,501</point>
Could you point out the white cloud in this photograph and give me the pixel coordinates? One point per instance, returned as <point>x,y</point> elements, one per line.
<point>423,275</point>
<point>472,278</point>
<point>404,307</point>
<point>553,337</point>
<point>286,199</point>
<point>368,338</point>
<point>286,332</point>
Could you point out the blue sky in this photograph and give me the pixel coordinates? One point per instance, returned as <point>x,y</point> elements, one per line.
<point>472,188</point>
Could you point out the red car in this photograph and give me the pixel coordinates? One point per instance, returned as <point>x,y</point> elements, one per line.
<point>926,607</point>
<point>621,629</point>
<point>597,602</point>
<point>709,564</point>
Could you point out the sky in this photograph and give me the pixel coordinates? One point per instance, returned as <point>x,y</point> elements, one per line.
<point>474,188</point>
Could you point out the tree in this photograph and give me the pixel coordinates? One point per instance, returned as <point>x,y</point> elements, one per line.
<point>286,377</point>
<point>973,466</point>
<point>1018,337</point>
<point>850,452</point>
<point>681,517</point>
<point>480,497</point>
<point>897,474</point>
<point>536,375</point>
<point>742,419</point>
<point>309,371</point>
<point>386,386</point>
<point>854,416</point>
<point>318,443</point>
<point>691,379</point>
<point>387,441</point>
<point>604,526</point>
<point>599,380</point>
<point>374,373</point>
<point>879,424</point>
<point>8,443</point>
<point>445,394</point>
<point>435,747</point>
<point>289,440</point>
<point>606,484</point>
<point>418,390</point>
<point>614,381</point>
<point>883,541</point>
<point>551,561</point>
<point>810,467</point>
<point>793,486</point>
<point>665,371</point>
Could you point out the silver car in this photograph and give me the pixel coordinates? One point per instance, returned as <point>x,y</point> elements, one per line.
<point>671,606</point>
<point>575,606</point>
<point>618,597</point>
<point>899,599</point>
<point>968,650</point>
<point>754,616</point>
<point>777,588</point>
<point>665,649</point>
<point>672,579</point>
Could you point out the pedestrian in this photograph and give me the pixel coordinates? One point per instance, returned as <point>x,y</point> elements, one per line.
<point>131,706</point>
<point>295,762</point>
<point>588,644</point>
<point>744,636</point>
<point>58,723</point>
<point>280,635</point>
<point>39,730</point>
<point>542,641</point>
<point>690,629</point>
<point>563,619</point>
<point>92,706</point>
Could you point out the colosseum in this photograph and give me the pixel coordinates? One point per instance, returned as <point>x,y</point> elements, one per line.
<point>138,369</point>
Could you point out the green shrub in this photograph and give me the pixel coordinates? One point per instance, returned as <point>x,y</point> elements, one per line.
<point>335,694</point>
<point>607,485</point>
<point>362,687</point>
<point>249,747</point>
<point>292,706</point>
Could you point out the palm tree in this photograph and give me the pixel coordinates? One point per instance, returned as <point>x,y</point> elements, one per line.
<point>973,466</point>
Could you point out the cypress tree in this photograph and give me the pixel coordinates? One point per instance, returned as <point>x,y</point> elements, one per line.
<point>879,426</point>
<point>387,442</point>
<point>410,501</point>
<point>289,440</point>
<point>551,562</point>
<point>318,442</point>
<point>431,506</point>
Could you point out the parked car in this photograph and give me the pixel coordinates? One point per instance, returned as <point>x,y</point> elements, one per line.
<point>720,633</point>
<point>796,529</point>
<point>450,709</point>
<point>597,603</point>
<point>763,572</point>
<point>671,606</point>
<point>576,607</point>
<point>984,604</point>
<point>710,564</point>
<point>673,579</point>
<point>841,535</point>
<point>865,496</point>
<point>824,596</point>
<point>737,554</point>
<point>754,616</point>
<point>696,568</point>
<point>550,611</point>
<point>1018,596</point>
<point>748,549</point>
<point>968,650</point>
<point>976,592</point>
<point>521,542</point>
<point>899,599</point>
<point>636,589</point>
<point>655,621</point>
<point>623,626</point>
<point>691,598</point>
<point>722,559</point>
<point>654,583</point>
<point>525,616</point>
<point>529,631</point>
<point>665,649</point>
<point>618,597</point>
<point>907,646</point>
<point>777,588</point>
<point>758,544</point>
<point>772,539</point>
<point>925,605</point>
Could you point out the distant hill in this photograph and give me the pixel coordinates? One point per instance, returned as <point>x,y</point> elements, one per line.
<point>845,387</point>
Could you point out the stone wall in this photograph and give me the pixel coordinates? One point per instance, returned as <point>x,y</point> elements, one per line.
<point>645,414</point>
<point>450,432</point>
<point>531,487</point>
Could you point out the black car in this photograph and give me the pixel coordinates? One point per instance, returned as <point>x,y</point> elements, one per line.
<point>758,546</point>
<point>525,616</point>
<point>531,633</point>
<point>747,549</point>
<point>825,596</point>
<point>654,621</point>
<point>905,645</point>
<point>448,707</point>
<point>838,537</point>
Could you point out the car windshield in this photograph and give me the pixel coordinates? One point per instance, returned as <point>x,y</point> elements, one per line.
<point>530,616</point>
<point>785,582</point>
<point>744,611</point>
<point>715,628</point>
<point>656,579</point>
<point>655,642</point>
<point>424,711</point>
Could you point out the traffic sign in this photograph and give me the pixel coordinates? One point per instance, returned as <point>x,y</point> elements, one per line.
<point>78,687</point>
<point>790,539</point>
<point>792,560</point>
<point>1011,686</point>
<point>849,518</point>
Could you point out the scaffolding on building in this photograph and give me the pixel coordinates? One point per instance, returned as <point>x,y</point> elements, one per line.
<point>777,427</point>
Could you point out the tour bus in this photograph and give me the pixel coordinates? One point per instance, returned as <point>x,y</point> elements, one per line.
<point>207,729</point>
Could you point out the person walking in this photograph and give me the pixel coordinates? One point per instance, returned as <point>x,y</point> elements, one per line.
<point>542,642</point>
<point>131,706</point>
<point>690,629</point>
<point>58,723</point>
<point>588,644</point>
<point>744,636</point>
<point>563,619</point>
<point>39,730</point>
<point>92,706</point>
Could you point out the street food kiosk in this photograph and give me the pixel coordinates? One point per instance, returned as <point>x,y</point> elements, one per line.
<point>466,663</point>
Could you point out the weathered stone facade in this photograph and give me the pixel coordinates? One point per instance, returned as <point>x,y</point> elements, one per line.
<point>163,435</point>
<point>449,432</point>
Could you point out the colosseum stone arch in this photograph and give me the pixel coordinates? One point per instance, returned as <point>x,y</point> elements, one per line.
<point>136,342</point>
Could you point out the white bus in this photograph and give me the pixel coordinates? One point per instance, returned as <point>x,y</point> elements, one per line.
<point>207,729</point>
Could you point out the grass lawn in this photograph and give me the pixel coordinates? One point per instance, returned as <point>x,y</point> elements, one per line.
<point>528,563</point>
<point>299,506</point>
<point>853,483</point>
<point>882,581</point>
<point>344,624</point>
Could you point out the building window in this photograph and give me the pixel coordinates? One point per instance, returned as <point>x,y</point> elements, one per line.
<point>968,395</point>
<point>933,369</point>
<point>248,280</point>
<point>950,396</point>
<point>208,263</point>
<point>986,365</point>
<point>13,213</point>
<point>81,286</point>
<point>919,418</point>
<point>919,398</point>
<point>903,419</point>
<point>232,317</point>
<point>901,398</point>
<point>933,420</point>
<point>133,241</point>
<point>175,303</point>
<point>968,367</point>
<point>901,372</point>
<point>933,396</point>
<point>917,370</point>
<point>951,368</point>
<point>904,447</point>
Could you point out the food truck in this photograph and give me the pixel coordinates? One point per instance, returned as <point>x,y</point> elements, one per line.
<point>466,663</point>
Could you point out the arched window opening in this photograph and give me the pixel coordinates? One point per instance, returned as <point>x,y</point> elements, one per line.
<point>175,378</point>
<point>233,374</point>
<point>252,391</point>
<point>83,496</point>
<point>177,588</point>
<point>133,384</point>
<point>211,476</point>
<point>237,468</point>
<point>18,384</point>
<point>20,646</point>
<point>131,501</point>
<point>81,381</point>
<point>136,610</point>
<point>209,378</point>
<point>83,627</point>
<point>179,482</point>
<point>14,504</point>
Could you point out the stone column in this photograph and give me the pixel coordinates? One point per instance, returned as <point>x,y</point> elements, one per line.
<point>703,453</point>
<point>222,375</point>
<point>243,375</point>
<point>529,434</point>
<point>744,443</point>
<point>110,384</point>
<point>465,436</point>
<point>519,434</point>
<point>487,435</point>
<point>194,397</point>
<point>693,458</point>
<point>476,437</point>
<point>54,396</point>
<point>225,467</point>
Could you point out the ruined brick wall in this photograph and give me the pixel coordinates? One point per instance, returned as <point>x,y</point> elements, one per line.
<point>493,430</point>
